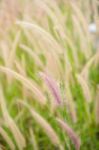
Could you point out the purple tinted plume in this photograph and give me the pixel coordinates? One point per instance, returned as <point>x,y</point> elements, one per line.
<point>52,86</point>
<point>73,136</point>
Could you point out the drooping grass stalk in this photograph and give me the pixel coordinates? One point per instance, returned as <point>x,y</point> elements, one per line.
<point>53,87</point>
<point>20,141</point>
<point>26,83</point>
<point>75,139</point>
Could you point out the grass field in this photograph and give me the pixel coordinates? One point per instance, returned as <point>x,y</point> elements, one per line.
<point>49,75</point>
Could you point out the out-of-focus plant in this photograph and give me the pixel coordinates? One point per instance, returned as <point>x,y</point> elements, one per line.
<point>49,70</point>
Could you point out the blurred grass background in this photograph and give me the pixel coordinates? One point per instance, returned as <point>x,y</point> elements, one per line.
<point>49,75</point>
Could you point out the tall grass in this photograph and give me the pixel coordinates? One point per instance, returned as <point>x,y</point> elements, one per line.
<point>49,75</point>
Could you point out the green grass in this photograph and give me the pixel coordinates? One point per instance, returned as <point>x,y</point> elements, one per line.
<point>54,44</point>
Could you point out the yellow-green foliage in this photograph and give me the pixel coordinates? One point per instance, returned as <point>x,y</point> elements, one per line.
<point>49,75</point>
